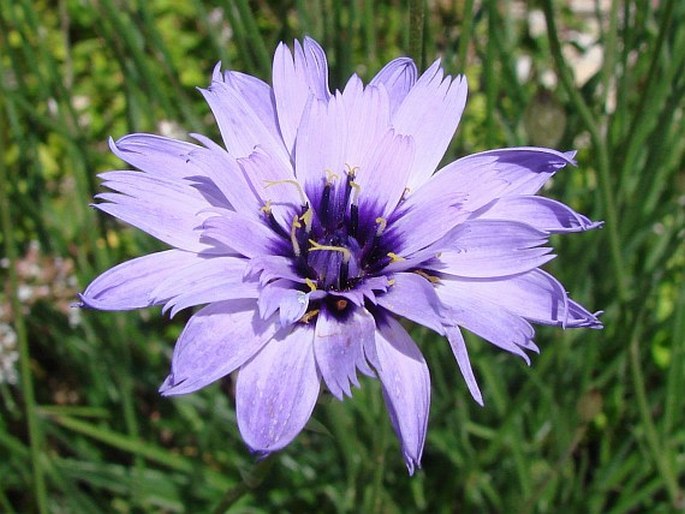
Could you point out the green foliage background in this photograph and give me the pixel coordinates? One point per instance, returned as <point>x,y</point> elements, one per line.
<point>596,425</point>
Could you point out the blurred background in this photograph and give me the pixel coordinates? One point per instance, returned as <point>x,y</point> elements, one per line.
<point>595,425</point>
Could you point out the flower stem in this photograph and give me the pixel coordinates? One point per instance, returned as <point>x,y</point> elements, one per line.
<point>599,145</point>
<point>417,10</point>
<point>465,35</point>
<point>34,429</point>
<point>251,480</point>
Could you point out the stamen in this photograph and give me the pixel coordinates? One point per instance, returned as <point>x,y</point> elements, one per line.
<point>325,201</point>
<point>347,255</point>
<point>382,223</point>
<point>309,315</point>
<point>431,278</point>
<point>351,171</point>
<point>331,176</point>
<point>291,181</point>
<point>344,274</point>
<point>306,218</point>
<point>311,284</point>
<point>357,189</point>
<point>354,220</point>
<point>266,209</point>
<point>293,235</point>
<point>395,258</point>
<point>391,282</point>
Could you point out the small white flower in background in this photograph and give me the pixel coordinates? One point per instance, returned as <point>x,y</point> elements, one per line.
<point>8,355</point>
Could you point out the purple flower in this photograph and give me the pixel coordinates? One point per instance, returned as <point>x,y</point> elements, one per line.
<point>319,223</point>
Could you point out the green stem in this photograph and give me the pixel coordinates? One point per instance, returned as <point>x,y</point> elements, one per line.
<point>36,440</point>
<point>600,148</point>
<point>416,18</point>
<point>254,37</point>
<point>251,481</point>
<point>465,35</point>
<point>646,95</point>
<point>609,52</point>
<point>489,76</point>
<point>663,463</point>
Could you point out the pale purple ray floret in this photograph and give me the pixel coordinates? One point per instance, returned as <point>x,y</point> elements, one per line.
<point>317,223</point>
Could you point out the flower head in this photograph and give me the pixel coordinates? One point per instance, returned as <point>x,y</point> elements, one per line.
<point>317,224</point>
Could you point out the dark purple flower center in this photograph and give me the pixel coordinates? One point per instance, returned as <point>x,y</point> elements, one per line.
<point>335,242</point>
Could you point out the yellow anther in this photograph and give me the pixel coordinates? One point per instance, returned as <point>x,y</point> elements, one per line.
<point>357,189</point>
<point>347,255</point>
<point>291,181</point>
<point>395,258</point>
<point>293,235</point>
<point>306,218</point>
<point>266,208</point>
<point>311,284</point>
<point>391,282</point>
<point>432,279</point>
<point>382,223</point>
<point>309,315</point>
<point>331,176</point>
<point>351,170</point>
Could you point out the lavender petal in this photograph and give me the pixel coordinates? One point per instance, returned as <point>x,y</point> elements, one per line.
<point>542,213</point>
<point>217,340</point>
<point>398,77</point>
<point>461,354</point>
<point>430,114</point>
<point>276,391</point>
<point>339,348</point>
<point>406,388</point>
<point>129,285</point>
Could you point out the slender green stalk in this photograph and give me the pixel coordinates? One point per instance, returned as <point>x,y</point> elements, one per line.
<point>609,63</point>
<point>369,31</point>
<point>465,35</point>
<point>674,382</point>
<point>599,145</point>
<point>255,37</point>
<point>380,450</point>
<point>489,76</point>
<point>36,439</point>
<point>417,10</point>
<point>650,78</point>
<point>663,463</point>
<point>251,481</point>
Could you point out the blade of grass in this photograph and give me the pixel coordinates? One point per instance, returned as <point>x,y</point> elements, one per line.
<point>646,95</point>
<point>135,446</point>
<point>599,145</point>
<point>489,76</point>
<point>465,34</point>
<point>666,472</point>
<point>36,440</point>
<point>417,13</point>
<point>675,378</point>
<point>254,37</point>
<point>369,32</point>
